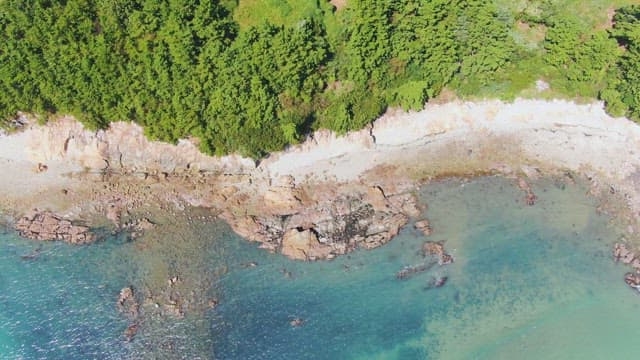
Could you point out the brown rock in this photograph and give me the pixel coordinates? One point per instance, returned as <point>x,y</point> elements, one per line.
<point>282,201</point>
<point>131,331</point>
<point>405,203</point>
<point>212,303</point>
<point>633,280</point>
<point>303,245</point>
<point>296,322</point>
<point>424,226</point>
<point>285,181</point>
<point>622,253</point>
<point>127,303</point>
<point>375,197</point>
<point>47,226</point>
<point>432,248</point>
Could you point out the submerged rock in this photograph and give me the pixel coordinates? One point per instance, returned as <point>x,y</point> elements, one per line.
<point>297,322</point>
<point>530,197</point>
<point>47,226</point>
<point>424,226</point>
<point>138,227</point>
<point>408,271</point>
<point>622,253</point>
<point>433,248</point>
<point>633,280</point>
<point>131,331</point>
<point>439,282</point>
<point>436,282</point>
<point>127,303</point>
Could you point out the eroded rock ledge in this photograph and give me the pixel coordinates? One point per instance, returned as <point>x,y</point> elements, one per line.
<point>47,226</point>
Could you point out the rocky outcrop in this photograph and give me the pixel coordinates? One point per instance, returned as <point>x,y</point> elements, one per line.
<point>303,245</point>
<point>436,249</point>
<point>623,254</point>
<point>127,303</point>
<point>122,147</point>
<point>47,226</point>
<point>129,306</point>
<point>315,224</point>
<point>633,280</point>
<point>424,226</point>
<point>434,253</point>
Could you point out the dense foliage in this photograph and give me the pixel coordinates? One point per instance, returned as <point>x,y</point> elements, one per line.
<point>252,76</point>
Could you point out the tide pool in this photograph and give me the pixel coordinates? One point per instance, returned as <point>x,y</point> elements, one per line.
<point>528,282</point>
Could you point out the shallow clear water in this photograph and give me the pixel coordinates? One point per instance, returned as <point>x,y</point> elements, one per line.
<point>527,283</point>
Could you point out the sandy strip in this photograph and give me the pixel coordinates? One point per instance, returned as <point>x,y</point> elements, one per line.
<point>557,132</point>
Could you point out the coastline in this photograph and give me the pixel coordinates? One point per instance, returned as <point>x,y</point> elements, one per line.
<point>104,177</point>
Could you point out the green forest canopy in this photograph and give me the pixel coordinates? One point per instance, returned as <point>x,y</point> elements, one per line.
<point>252,76</point>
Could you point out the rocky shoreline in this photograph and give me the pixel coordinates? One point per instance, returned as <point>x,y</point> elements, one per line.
<point>325,197</point>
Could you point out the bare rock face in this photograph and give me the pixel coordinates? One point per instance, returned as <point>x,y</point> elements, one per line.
<point>303,245</point>
<point>375,196</point>
<point>123,147</point>
<point>47,226</point>
<point>282,200</point>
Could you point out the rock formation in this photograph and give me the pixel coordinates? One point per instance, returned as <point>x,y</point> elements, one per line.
<point>633,280</point>
<point>623,254</point>
<point>127,303</point>
<point>432,248</point>
<point>315,224</point>
<point>424,226</point>
<point>409,271</point>
<point>303,245</point>
<point>129,306</point>
<point>47,226</point>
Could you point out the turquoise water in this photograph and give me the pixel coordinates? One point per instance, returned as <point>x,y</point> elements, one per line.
<point>527,283</point>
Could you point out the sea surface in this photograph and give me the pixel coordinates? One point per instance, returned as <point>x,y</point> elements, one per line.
<point>528,282</point>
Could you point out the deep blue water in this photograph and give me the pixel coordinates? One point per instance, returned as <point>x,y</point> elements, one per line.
<point>527,282</point>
